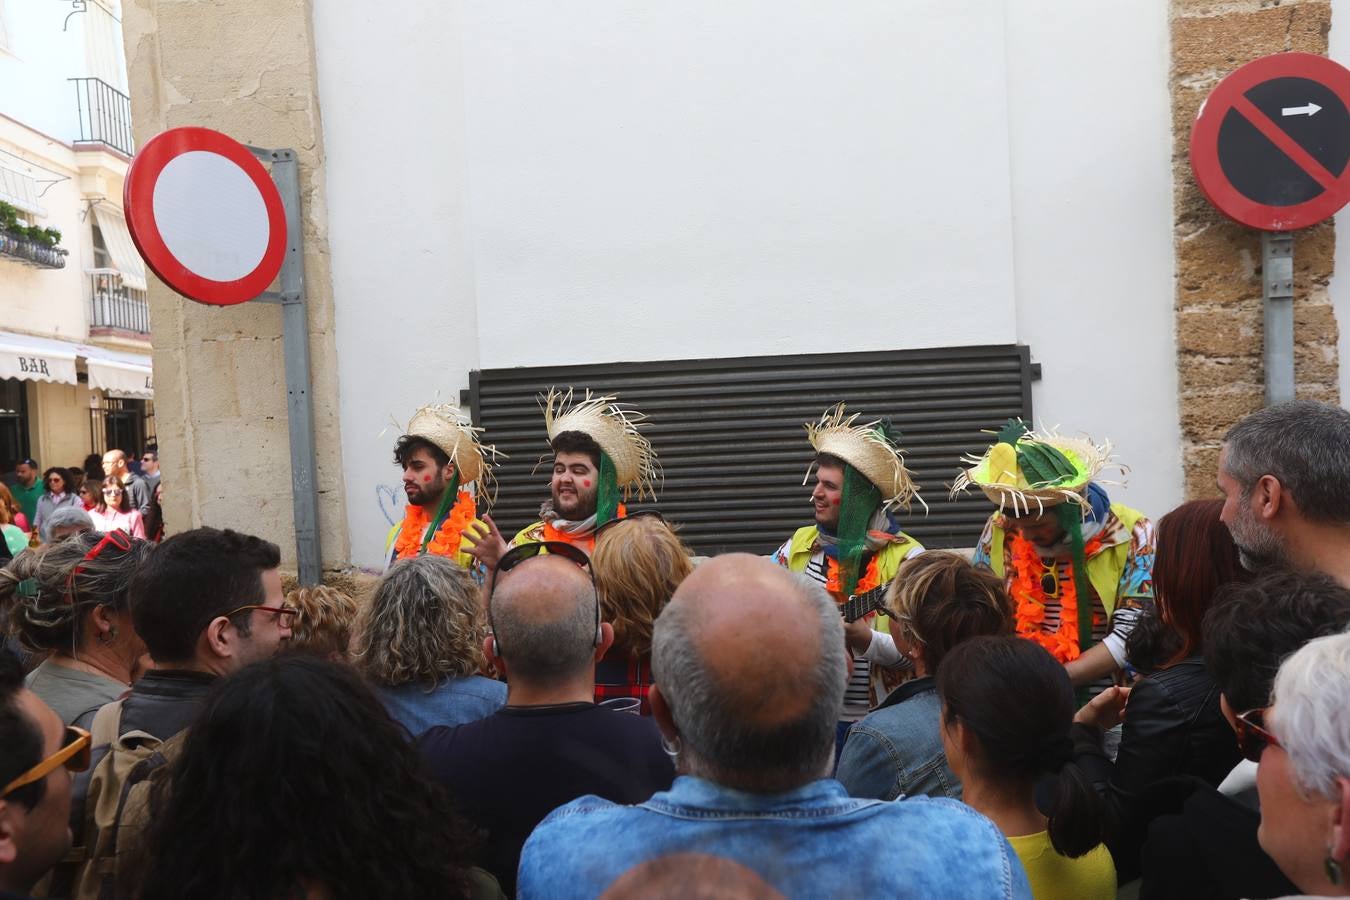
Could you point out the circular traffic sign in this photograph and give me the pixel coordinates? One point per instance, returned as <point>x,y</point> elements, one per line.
<point>205,215</point>
<point>1271,143</point>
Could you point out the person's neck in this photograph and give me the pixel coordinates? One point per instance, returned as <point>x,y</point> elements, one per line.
<point>1323,548</point>
<point>573,690</point>
<point>1011,808</point>
<point>98,659</point>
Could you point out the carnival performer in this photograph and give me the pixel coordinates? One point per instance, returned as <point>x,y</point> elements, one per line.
<point>1078,567</point>
<point>599,459</point>
<point>444,465</point>
<point>855,545</point>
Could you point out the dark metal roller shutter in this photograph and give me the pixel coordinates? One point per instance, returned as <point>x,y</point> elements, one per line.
<point>729,436</point>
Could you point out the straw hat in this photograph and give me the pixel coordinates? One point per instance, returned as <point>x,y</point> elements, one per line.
<point>866,448</point>
<point>1018,472</point>
<point>614,428</point>
<point>448,428</point>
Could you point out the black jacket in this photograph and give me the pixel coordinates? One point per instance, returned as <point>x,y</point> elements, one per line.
<point>1173,726</point>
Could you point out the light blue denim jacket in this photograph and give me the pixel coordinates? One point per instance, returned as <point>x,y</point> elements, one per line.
<point>896,751</point>
<point>812,842</point>
<point>456,701</point>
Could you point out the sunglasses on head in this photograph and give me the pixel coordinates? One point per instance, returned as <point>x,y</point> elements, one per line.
<point>1252,735</point>
<point>119,539</point>
<point>74,755</point>
<point>518,554</point>
<point>638,514</point>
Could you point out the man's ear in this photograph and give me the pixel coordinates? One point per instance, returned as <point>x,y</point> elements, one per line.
<point>661,714</point>
<point>490,651</point>
<point>9,837</point>
<point>220,637</point>
<point>448,471</point>
<point>604,640</point>
<point>1340,825</point>
<point>1268,495</point>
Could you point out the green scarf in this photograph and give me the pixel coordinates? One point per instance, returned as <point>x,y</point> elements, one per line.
<point>606,492</point>
<point>442,510</point>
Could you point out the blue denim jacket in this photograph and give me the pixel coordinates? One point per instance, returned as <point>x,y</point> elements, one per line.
<point>812,842</point>
<point>457,701</point>
<point>896,751</point>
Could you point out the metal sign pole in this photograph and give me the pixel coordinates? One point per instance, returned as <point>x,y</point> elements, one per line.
<point>1277,290</point>
<point>295,346</point>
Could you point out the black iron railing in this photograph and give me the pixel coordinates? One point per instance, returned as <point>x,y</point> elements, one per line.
<point>105,114</point>
<point>117,306</point>
<point>31,252</point>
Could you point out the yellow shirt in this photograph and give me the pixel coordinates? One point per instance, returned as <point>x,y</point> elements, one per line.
<point>1054,877</point>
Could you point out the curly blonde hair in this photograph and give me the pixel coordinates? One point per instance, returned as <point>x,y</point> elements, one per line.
<point>638,563</point>
<point>424,623</point>
<point>324,625</point>
<point>50,616</point>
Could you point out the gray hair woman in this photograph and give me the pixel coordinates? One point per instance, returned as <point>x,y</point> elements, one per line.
<point>64,522</point>
<point>419,641</point>
<point>75,609</point>
<point>1302,743</point>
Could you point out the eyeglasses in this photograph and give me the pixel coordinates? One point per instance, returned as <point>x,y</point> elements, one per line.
<point>149,459</point>
<point>637,514</point>
<point>909,623</point>
<point>521,552</point>
<point>285,615</point>
<point>74,755</point>
<point>119,539</point>
<point>1252,736</point>
<point>112,490</point>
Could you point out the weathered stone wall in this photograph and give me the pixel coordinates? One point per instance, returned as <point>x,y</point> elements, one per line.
<point>1219,305</point>
<point>246,68</point>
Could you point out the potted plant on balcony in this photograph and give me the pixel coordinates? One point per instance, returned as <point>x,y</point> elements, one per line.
<point>31,243</point>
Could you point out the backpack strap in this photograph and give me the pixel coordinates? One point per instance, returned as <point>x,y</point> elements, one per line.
<point>103,731</point>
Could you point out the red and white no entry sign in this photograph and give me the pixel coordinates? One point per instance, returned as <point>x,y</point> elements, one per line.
<point>205,215</point>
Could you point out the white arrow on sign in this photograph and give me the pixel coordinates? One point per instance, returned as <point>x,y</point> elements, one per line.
<point>1310,110</point>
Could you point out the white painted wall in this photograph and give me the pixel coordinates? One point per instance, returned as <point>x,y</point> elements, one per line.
<point>531,183</point>
<point>1091,151</point>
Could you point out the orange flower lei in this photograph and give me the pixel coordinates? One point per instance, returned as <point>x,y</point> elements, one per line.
<point>1029,597</point>
<point>447,539</point>
<point>869,579</point>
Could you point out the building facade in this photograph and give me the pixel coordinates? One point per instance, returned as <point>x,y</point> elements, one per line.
<point>490,185</point>
<point>75,369</point>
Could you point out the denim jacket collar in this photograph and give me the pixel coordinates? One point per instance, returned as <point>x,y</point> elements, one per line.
<point>690,794</point>
<point>907,690</point>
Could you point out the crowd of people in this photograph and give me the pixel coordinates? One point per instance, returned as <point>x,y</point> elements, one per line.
<point>1083,702</point>
<point>106,493</point>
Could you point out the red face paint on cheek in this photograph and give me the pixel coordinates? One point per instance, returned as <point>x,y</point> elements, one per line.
<point>585,484</point>
<point>426,479</point>
<point>835,502</point>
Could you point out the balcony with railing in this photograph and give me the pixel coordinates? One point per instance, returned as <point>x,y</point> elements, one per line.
<point>117,310</point>
<point>31,252</point>
<point>105,115</point>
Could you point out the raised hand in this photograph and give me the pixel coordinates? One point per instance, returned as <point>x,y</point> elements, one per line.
<point>485,543</point>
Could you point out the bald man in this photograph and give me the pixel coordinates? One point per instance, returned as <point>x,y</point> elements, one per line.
<point>138,491</point>
<point>754,738</point>
<point>551,743</point>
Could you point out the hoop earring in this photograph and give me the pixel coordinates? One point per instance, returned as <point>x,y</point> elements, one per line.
<point>672,749</point>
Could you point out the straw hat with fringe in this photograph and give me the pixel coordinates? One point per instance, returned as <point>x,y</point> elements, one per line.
<point>1027,472</point>
<point>614,428</point>
<point>448,428</point>
<point>868,449</point>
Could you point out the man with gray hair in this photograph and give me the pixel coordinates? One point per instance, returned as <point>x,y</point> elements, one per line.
<point>64,522</point>
<point>1285,475</point>
<point>753,732</point>
<point>551,743</point>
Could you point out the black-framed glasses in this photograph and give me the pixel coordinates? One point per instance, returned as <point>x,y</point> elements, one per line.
<point>521,552</point>
<point>1253,737</point>
<point>637,514</point>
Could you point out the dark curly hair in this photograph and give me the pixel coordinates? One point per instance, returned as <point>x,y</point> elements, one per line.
<point>1254,627</point>
<point>294,776</point>
<point>577,442</point>
<point>409,444</point>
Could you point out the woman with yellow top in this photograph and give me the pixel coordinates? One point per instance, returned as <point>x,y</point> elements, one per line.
<point>1006,710</point>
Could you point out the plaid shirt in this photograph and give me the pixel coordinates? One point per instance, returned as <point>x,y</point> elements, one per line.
<point>622,676</point>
